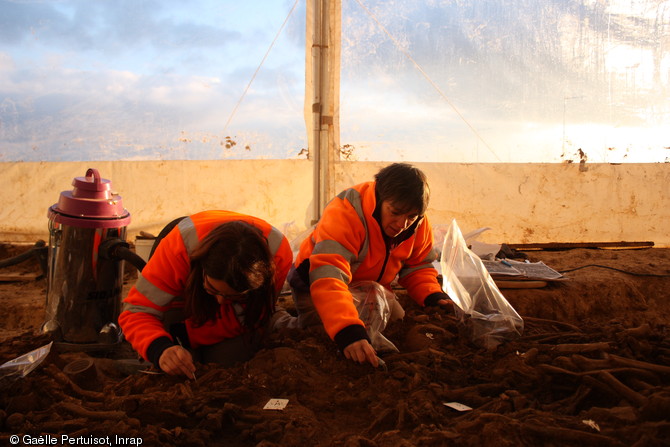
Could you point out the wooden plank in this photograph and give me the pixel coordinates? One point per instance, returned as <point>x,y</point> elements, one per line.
<point>17,276</point>
<point>521,284</point>
<point>568,245</point>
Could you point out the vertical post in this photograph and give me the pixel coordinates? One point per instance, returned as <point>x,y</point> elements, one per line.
<point>322,95</point>
<point>315,150</point>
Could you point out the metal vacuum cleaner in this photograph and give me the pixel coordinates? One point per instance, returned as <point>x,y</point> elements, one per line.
<point>87,231</point>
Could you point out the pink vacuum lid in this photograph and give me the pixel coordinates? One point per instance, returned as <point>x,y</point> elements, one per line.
<point>90,204</point>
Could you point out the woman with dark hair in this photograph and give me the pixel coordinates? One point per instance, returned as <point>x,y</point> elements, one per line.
<point>208,290</point>
<point>370,233</point>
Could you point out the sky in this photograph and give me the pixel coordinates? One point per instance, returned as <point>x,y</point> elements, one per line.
<point>493,81</point>
<point>148,79</point>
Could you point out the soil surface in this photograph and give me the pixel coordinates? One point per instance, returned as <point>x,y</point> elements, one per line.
<point>592,367</point>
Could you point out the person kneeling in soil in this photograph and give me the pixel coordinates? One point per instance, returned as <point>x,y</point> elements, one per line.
<point>369,233</point>
<point>208,291</point>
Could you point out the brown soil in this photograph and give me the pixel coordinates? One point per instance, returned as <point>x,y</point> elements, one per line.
<point>591,368</point>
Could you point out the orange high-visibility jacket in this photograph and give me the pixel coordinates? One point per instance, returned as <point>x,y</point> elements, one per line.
<point>163,281</point>
<point>348,245</point>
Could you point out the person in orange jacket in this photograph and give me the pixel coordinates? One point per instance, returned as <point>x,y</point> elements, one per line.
<point>373,231</point>
<point>209,288</point>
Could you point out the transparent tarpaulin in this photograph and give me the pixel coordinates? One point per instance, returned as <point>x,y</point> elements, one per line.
<point>478,301</point>
<point>507,81</point>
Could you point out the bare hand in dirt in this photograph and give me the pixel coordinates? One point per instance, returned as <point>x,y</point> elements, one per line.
<point>361,351</point>
<point>177,360</point>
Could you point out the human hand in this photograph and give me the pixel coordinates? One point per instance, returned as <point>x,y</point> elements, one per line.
<point>361,351</point>
<point>177,360</point>
<point>446,304</point>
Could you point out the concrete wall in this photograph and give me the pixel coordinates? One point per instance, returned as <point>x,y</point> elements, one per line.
<point>535,203</point>
<point>156,192</point>
<point>522,203</point>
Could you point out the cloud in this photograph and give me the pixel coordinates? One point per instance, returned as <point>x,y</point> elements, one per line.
<point>128,80</point>
<point>19,19</point>
<point>108,26</point>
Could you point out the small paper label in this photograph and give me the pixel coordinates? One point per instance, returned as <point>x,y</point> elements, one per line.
<point>591,424</point>
<point>276,404</point>
<point>457,406</point>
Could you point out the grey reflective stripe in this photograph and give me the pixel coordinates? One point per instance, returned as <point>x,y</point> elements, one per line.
<point>431,256</point>
<point>427,262</point>
<point>275,239</point>
<point>327,271</point>
<point>405,272</point>
<point>333,247</point>
<point>153,293</point>
<point>239,313</point>
<point>188,234</point>
<point>354,198</point>
<point>142,309</point>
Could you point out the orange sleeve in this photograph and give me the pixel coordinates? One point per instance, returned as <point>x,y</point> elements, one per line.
<point>163,278</point>
<point>283,260</point>
<point>338,239</point>
<point>140,328</point>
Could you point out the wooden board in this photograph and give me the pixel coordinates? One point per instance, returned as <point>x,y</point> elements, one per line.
<point>568,245</point>
<point>17,276</point>
<point>520,284</point>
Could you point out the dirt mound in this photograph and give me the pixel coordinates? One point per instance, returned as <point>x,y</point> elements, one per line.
<point>592,367</point>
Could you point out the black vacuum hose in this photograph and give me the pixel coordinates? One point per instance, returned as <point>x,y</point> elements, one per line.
<point>118,249</point>
<point>38,251</point>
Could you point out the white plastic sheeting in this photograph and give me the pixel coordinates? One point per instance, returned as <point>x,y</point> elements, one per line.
<point>506,80</point>
<point>435,81</point>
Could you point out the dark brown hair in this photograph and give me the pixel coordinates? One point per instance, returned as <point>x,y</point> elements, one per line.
<point>404,186</point>
<point>237,253</point>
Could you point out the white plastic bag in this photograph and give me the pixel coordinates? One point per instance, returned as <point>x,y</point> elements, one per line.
<point>481,249</point>
<point>476,296</point>
<point>376,306</point>
<point>24,364</point>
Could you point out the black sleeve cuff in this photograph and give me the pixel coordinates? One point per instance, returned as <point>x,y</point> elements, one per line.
<point>156,348</point>
<point>350,334</point>
<point>433,298</point>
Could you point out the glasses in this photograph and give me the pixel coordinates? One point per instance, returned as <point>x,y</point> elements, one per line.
<point>234,297</point>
